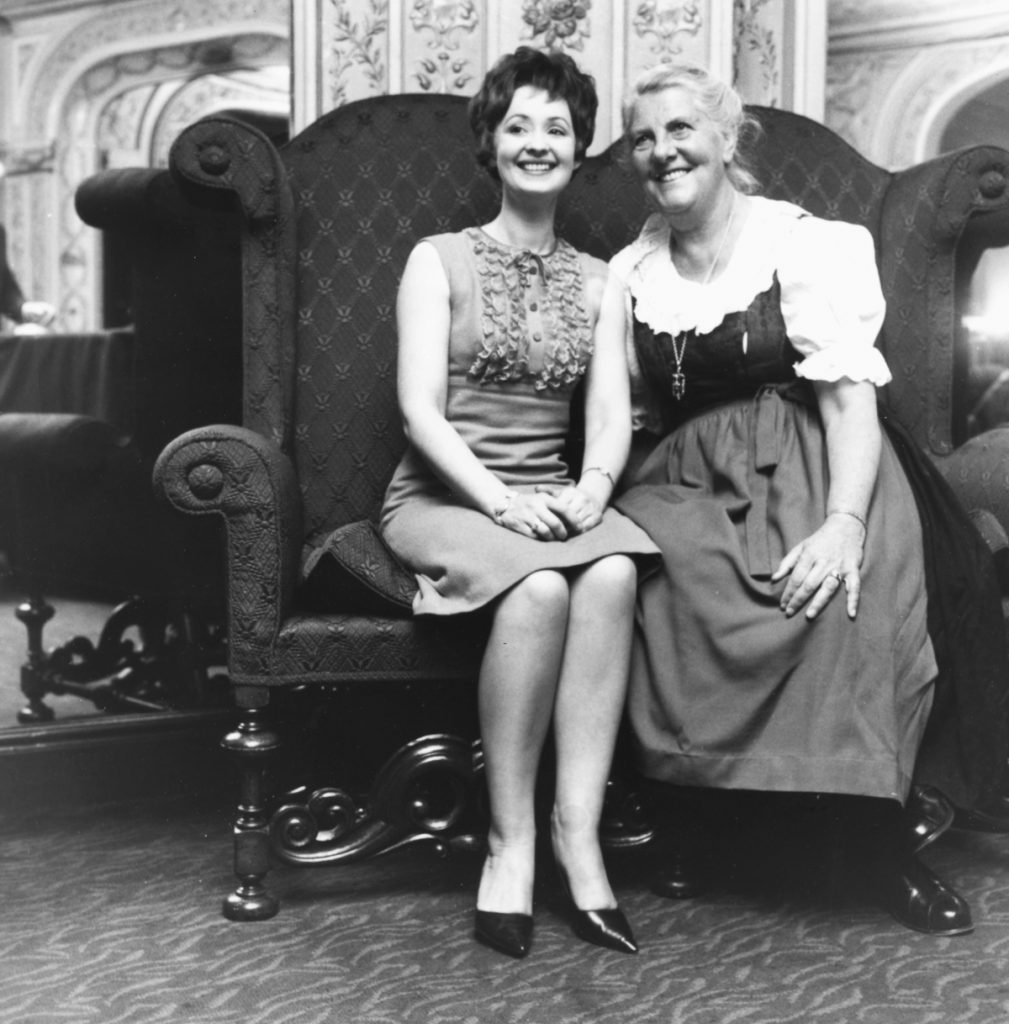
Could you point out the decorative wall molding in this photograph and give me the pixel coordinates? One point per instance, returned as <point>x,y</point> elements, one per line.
<point>359,48</point>
<point>859,27</point>
<point>98,72</point>
<point>86,82</point>
<point>897,77</point>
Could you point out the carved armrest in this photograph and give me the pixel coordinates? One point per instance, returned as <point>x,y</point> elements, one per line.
<point>925,210</point>
<point>978,471</point>
<point>222,159</point>
<point>244,478</point>
<point>131,199</point>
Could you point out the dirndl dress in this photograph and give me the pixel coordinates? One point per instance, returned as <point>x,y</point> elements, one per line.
<point>726,691</point>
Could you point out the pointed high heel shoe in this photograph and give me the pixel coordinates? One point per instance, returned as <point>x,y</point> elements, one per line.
<point>511,934</point>
<point>607,928</point>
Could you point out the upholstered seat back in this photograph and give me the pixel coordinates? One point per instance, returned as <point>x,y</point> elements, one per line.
<point>371,179</point>
<point>332,217</point>
<point>368,182</point>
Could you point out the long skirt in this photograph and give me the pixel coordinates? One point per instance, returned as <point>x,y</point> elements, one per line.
<point>726,691</point>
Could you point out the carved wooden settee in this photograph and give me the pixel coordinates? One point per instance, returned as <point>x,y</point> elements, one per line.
<point>328,222</point>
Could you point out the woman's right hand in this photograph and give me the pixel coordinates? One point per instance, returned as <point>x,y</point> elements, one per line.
<point>529,513</point>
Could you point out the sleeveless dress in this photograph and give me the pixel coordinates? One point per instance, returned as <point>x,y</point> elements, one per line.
<point>725,690</point>
<point>519,343</point>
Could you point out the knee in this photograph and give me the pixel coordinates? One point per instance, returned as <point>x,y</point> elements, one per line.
<point>544,594</point>
<point>614,578</point>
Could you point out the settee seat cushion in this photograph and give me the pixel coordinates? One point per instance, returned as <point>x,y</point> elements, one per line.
<point>351,569</point>
<point>311,647</point>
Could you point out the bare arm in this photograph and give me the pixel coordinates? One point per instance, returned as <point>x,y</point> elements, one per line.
<point>813,567</point>
<point>607,412</point>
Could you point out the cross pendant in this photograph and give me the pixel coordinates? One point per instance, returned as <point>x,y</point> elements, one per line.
<point>679,385</point>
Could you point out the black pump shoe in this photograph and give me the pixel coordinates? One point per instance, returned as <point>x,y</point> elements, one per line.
<point>920,900</point>
<point>607,928</point>
<point>511,934</point>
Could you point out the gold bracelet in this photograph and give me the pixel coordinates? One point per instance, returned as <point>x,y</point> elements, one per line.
<point>848,512</point>
<point>599,469</point>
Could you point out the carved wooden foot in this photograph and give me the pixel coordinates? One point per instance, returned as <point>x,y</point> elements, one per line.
<point>252,744</point>
<point>34,614</point>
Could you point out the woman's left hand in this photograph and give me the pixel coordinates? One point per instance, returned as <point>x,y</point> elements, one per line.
<point>819,566</point>
<point>579,511</point>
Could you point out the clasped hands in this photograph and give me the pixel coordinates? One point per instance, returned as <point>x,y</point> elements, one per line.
<point>821,565</point>
<point>552,512</point>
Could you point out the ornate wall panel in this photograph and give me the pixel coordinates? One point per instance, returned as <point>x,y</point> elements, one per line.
<point>97,72</point>
<point>897,72</point>
<point>99,83</point>
<point>349,49</point>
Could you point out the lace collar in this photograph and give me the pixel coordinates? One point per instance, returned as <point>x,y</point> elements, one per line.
<point>669,303</point>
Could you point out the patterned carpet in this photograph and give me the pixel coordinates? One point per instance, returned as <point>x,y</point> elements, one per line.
<point>113,918</point>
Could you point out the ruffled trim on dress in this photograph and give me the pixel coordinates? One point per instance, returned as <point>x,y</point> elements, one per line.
<point>830,293</point>
<point>502,270</point>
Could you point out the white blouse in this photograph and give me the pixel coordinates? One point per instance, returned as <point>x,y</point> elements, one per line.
<point>831,298</point>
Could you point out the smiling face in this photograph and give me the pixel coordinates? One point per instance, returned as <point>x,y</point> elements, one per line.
<point>679,154</point>
<point>534,145</point>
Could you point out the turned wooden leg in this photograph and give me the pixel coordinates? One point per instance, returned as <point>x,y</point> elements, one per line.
<point>252,743</point>
<point>34,613</point>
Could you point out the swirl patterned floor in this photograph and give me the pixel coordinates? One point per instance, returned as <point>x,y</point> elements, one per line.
<point>112,918</point>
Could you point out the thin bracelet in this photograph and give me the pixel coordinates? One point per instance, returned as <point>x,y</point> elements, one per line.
<point>599,469</point>
<point>848,512</point>
<point>499,510</point>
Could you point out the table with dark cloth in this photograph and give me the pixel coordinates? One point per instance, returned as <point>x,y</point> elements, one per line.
<point>87,374</point>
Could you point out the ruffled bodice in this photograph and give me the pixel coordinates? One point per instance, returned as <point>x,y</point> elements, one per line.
<point>520,339</point>
<point>534,319</point>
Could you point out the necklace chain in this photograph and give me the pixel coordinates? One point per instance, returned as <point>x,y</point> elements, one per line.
<point>678,379</point>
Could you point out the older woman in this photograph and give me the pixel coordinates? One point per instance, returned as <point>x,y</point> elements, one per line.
<point>497,324</point>
<point>785,645</point>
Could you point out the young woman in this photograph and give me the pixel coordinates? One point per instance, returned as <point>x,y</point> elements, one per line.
<point>497,325</point>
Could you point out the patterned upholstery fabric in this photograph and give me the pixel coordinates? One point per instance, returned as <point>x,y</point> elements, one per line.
<point>329,221</point>
<point>352,569</point>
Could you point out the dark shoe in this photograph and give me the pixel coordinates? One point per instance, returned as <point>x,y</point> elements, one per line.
<point>927,815</point>
<point>920,900</point>
<point>678,879</point>
<point>606,928</point>
<point>511,934</point>
<point>992,817</point>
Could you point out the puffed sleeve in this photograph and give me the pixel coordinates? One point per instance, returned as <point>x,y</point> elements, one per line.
<point>832,301</point>
<point>643,411</point>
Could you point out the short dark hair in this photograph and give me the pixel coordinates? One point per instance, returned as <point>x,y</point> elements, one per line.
<point>553,72</point>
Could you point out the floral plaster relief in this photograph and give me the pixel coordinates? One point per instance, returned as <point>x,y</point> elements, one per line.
<point>563,24</point>
<point>446,70</point>
<point>358,51</point>
<point>663,22</point>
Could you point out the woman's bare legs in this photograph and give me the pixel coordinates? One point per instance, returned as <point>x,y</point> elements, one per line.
<point>518,687</point>
<point>587,714</point>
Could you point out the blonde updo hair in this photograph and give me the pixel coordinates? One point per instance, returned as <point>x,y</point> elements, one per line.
<point>719,102</point>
